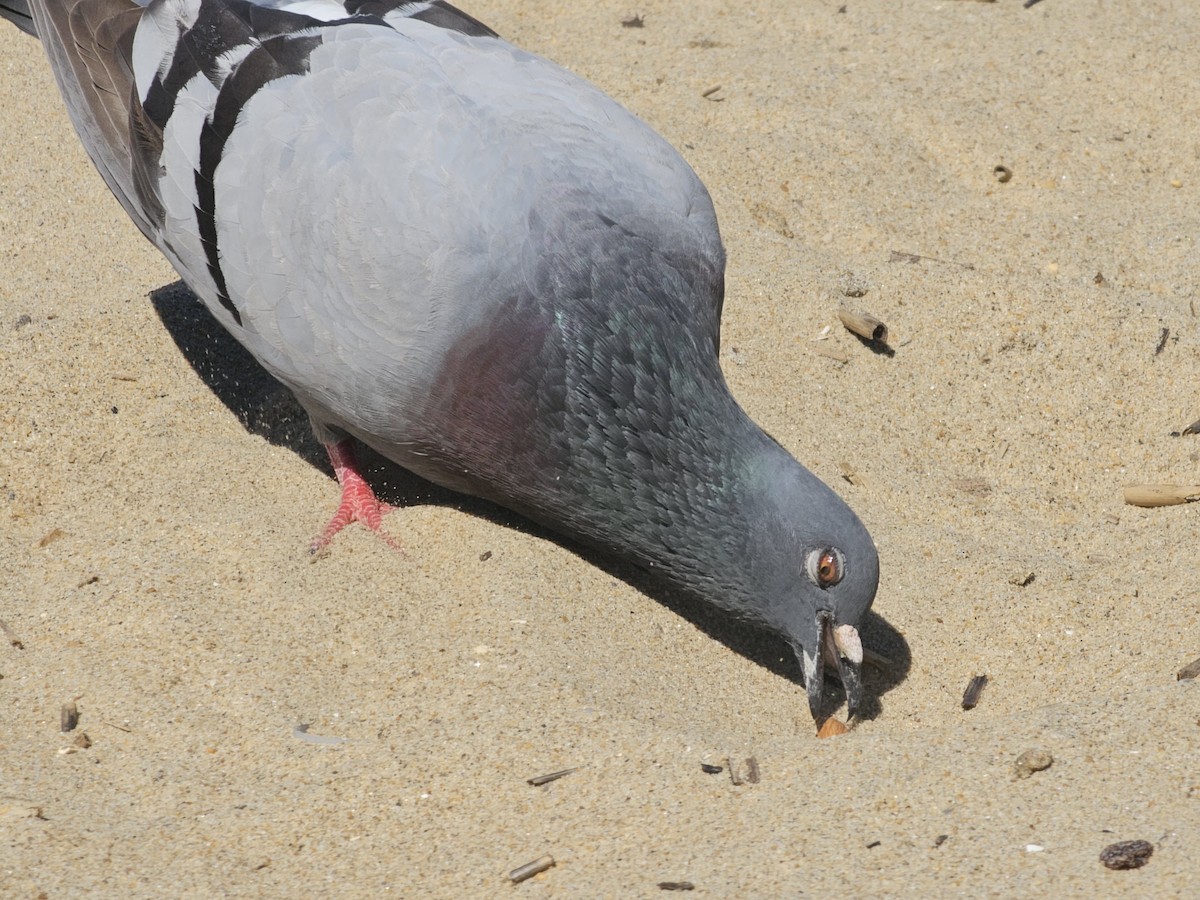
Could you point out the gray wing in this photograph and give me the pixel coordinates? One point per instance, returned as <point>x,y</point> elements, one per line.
<point>351,186</point>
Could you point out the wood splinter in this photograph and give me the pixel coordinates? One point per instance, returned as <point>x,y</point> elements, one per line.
<point>68,717</point>
<point>1151,495</point>
<point>539,780</point>
<point>974,691</point>
<point>1188,672</point>
<point>865,326</point>
<point>527,871</point>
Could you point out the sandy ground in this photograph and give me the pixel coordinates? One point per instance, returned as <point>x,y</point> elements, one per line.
<point>157,493</point>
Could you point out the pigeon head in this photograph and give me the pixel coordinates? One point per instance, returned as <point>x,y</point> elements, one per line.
<point>818,570</point>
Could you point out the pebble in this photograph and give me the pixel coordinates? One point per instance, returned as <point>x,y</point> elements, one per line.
<point>1031,761</point>
<point>1127,854</point>
<point>851,284</point>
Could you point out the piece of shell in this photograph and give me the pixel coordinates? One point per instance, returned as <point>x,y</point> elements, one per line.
<point>831,727</point>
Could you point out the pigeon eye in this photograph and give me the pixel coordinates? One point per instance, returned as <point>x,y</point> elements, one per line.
<point>825,566</point>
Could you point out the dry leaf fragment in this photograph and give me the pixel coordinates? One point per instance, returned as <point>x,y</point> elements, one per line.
<point>769,216</point>
<point>850,474</point>
<point>831,354</point>
<point>51,536</point>
<point>979,487</point>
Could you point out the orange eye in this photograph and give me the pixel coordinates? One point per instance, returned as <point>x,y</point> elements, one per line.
<point>825,566</point>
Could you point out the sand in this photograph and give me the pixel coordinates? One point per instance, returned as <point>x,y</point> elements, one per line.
<point>157,494</point>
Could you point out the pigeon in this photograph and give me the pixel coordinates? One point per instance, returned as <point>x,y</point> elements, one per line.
<point>473,262</point>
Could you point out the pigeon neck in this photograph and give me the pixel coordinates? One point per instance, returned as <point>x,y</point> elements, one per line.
<point>676,498</point>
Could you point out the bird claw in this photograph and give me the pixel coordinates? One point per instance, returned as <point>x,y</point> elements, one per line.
<point>359,503</point>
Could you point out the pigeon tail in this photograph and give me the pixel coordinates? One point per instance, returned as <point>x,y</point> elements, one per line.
<point>17,12</point>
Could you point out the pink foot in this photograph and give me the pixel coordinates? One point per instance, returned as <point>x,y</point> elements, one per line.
<point>359,503</point>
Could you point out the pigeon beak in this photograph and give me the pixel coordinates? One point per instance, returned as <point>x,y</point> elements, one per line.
<point>813,661</point>
<point>845,646</point>
<point>841,646</point>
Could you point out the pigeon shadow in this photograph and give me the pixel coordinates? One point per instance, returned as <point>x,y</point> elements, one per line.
<point>268,409</point>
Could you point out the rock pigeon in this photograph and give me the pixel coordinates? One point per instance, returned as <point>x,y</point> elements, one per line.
<point>474,262</point>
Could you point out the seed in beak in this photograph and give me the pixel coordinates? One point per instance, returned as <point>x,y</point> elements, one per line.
<point>846,639</point>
